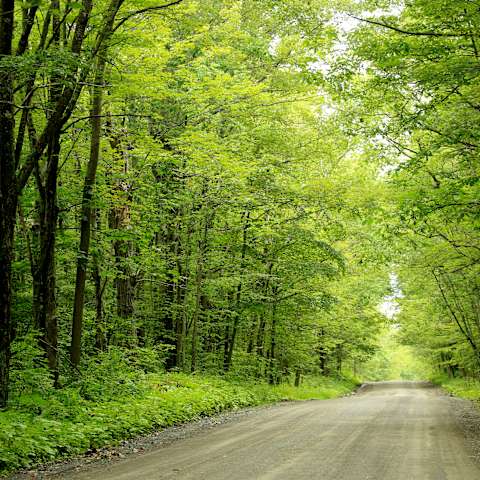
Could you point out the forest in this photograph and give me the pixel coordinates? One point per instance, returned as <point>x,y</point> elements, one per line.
<point>218,193</point>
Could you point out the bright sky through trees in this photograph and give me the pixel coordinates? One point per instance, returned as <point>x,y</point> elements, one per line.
<point>390,307</point>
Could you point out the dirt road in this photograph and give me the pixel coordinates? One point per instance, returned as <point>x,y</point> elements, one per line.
<point>388,431</point>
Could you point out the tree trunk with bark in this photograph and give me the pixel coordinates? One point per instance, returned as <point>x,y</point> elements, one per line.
<point>273,343</point>
<point>8,195</point>
<point>230,336</point>
<point>86,214</point>
<point>120,220</point>
<point>45,297</point>
<point>100,329</point>
<point>199,280</point>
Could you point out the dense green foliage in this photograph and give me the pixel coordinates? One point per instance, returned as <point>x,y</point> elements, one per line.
<point>413,84</point>
<point>205,207</point>
<point>396,361</point>
<point>223,188</point>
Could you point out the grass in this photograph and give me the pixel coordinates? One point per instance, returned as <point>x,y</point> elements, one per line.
<point>468,388</point>
<point>64,423</point>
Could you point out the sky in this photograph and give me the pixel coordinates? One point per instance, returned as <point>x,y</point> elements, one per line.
<point>390,307</point>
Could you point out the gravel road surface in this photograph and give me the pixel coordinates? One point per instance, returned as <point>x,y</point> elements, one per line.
<point>387,431</point>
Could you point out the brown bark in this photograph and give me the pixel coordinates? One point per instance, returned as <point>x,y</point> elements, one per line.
<point>100,330</point>
<point>322,355</point>
<point>298,377</point>
<point>14,177</point>
<point>119,220</point>
<point>88,187</point>
<point>199,280</point>
<point>168,314</point>
<point>230,337</point>
<point>181,315</point>
<point>170,320</point>
<point>44,265</point>
<point>273,344</point>
<point>86,214</point>
<point>339,358</point>
<point>7,222</point>
<point>8,196</point>
<point>124,281</point>
<point>99,320</point>
<point>44,272</point>
<point>263,318</point>
<point>252,336</point>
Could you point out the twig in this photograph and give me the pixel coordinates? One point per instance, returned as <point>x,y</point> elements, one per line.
<point>409,32</point>
<point>144,10</point>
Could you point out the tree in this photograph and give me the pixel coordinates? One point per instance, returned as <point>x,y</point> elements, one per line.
<point>420,72</point>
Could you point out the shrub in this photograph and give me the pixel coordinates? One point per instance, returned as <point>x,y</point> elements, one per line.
<point>29,374</point>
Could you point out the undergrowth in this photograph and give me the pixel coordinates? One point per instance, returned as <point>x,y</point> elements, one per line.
<point>115,400</point>
<point>468,388</point>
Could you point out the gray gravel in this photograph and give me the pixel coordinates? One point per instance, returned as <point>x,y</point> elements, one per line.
<point>467,415</point>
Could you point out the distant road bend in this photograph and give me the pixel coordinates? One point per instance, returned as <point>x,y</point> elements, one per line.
<point>388,431</point>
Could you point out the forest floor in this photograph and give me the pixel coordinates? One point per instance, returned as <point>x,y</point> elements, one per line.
<point>387,431</point>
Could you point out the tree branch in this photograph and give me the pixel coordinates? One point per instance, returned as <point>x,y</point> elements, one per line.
<point>408,32</point>
<point>88,117</point>
<point>144,10</point>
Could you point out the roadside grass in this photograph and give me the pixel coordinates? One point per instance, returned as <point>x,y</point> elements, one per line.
<point>67,422</point>
<point>468,388</point>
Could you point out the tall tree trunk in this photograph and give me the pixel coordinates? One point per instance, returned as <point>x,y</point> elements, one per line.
<point>263,318</point>
<point>273,340</point>
<point>45,293</point>
<point>99,321</point>
<point>168,316</point>
<point>47,319</point>
<point>199,280</point>
<point>119,219</point>
<point>339,358</point>
<point>169,329</point>
<point>100,330</point>
<point>231,337</point>
<point>298,377</point>
<point>124,282</point>
<point>14,177</point>
<point>86,215</point>
<point>8,195</point>
<point>7,225</point>
<point>89,184</point>
<point>322,355</point>
<point>181,316</point>
<point>180,326</point>
<point>261,335</point>
<point>252,336</point>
